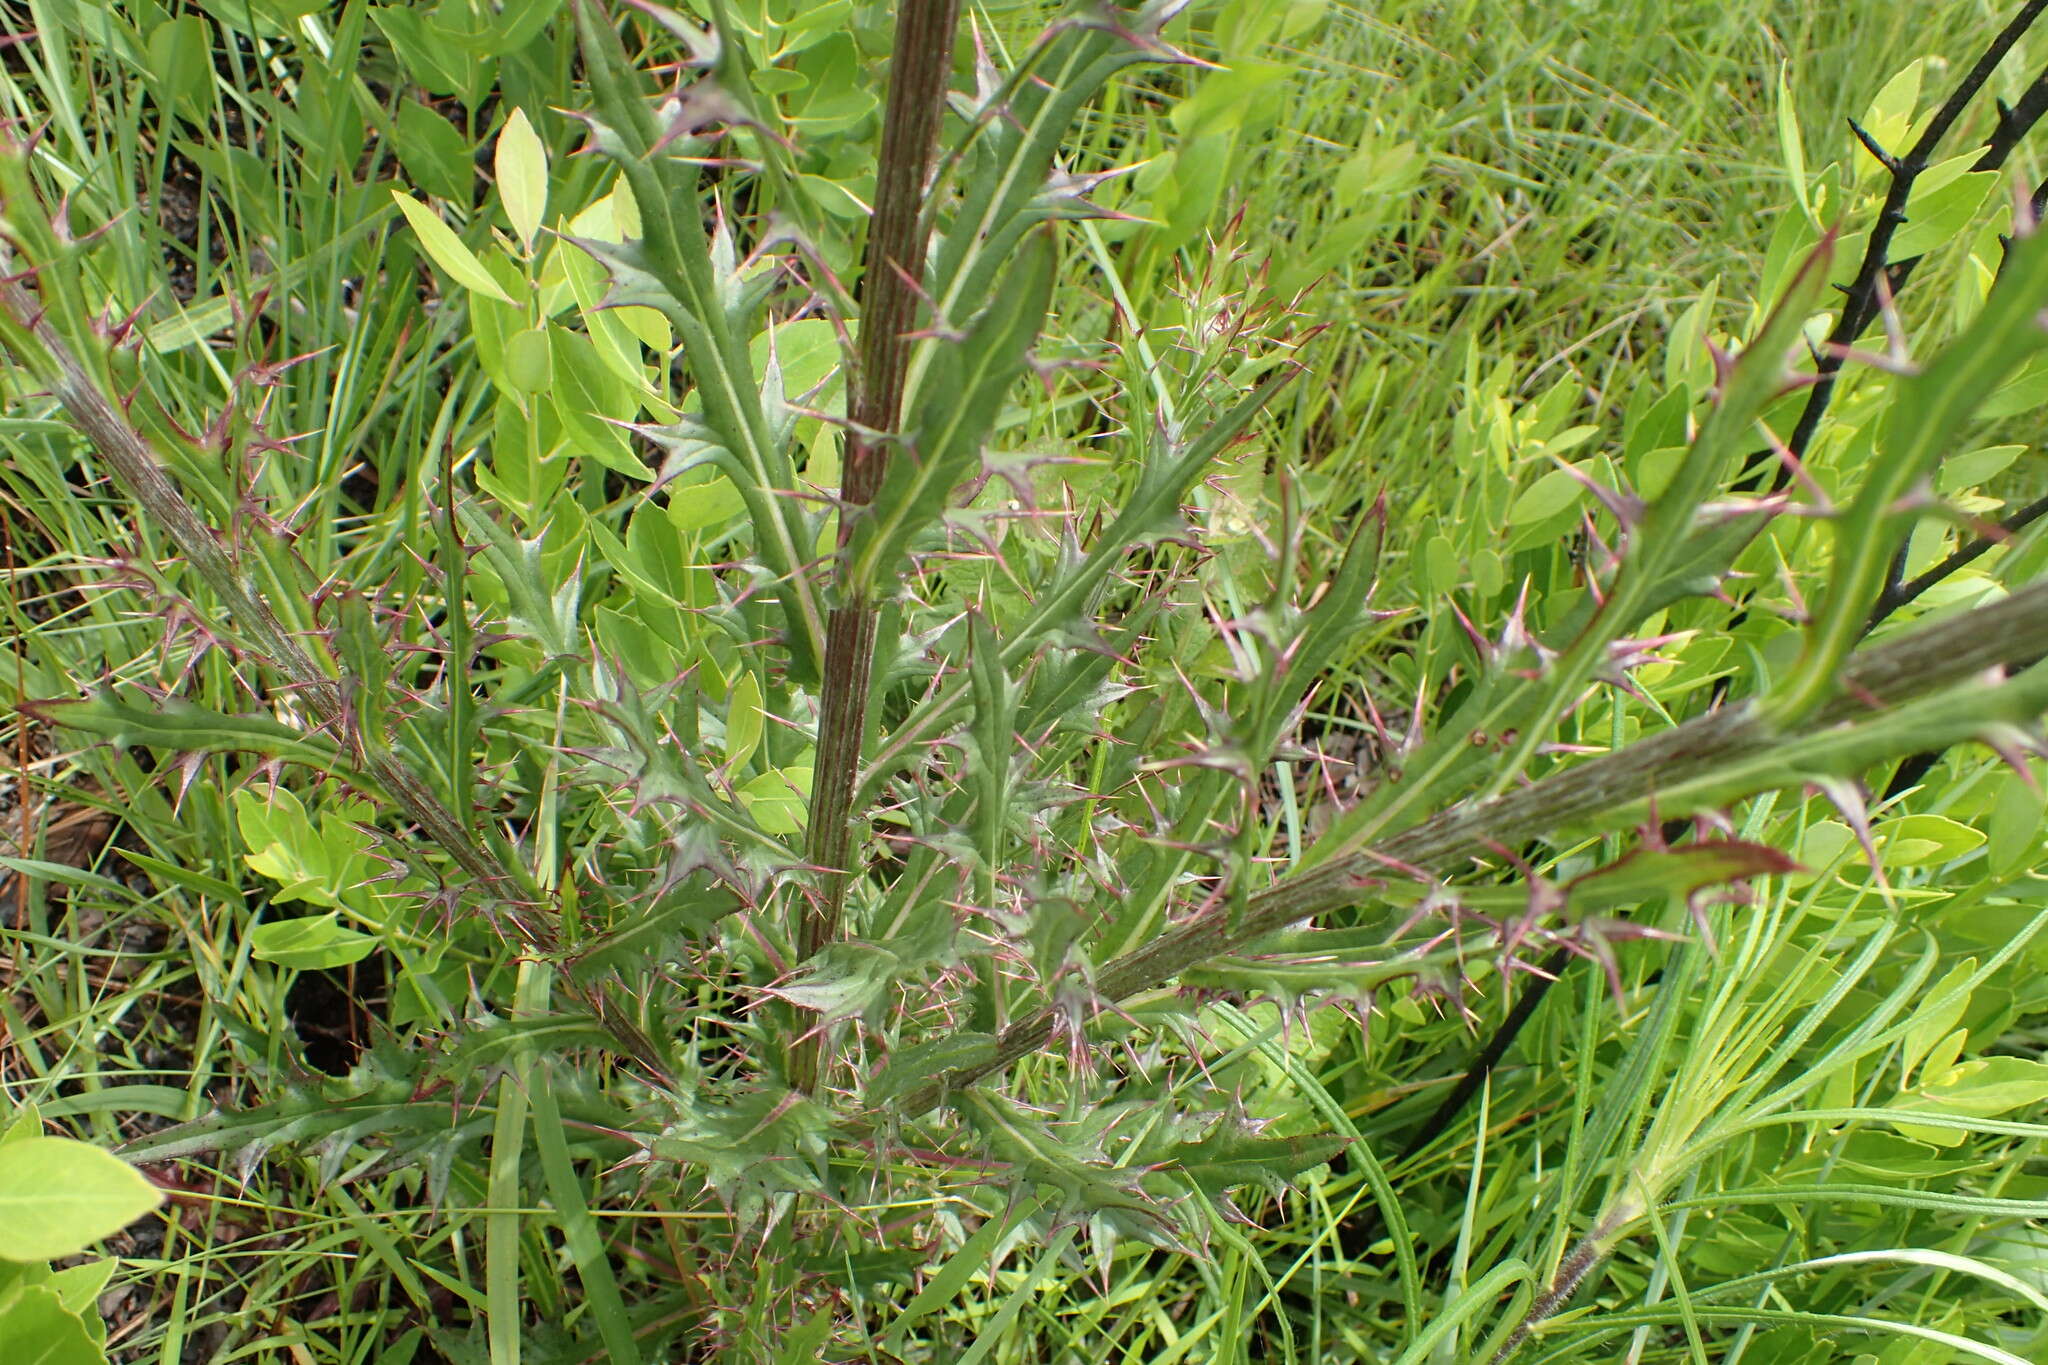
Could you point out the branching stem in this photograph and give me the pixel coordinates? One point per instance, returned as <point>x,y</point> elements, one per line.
<point>1895,698</point>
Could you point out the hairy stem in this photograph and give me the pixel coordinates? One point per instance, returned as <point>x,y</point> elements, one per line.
<point>1580,1262</point>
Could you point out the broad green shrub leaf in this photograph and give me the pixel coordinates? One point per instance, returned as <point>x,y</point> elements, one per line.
<point>435,154</point>
<point>833,197</point>
<point>1935,1020</point>
<point>1976,468</point>
<point>1946,200</point>
<point>1687,365</point>
<point>779,800</point>
<point>530,360</point>
<point>38,1328</point>
<point>1437,566</point>
<point>1552,493</point>
<point>1889,117</point>
<point>705,506</point>
<point>181,59</point>
<point>285,847</point>
<point>433,54</point>
<point>2015,830</point>
<point>325,863</point>
<point>743,721</point>
<point>592,399</point>
<point>1790,144</point>
<point>80,1287</point>
<point>446,250</point>
<point>1376,169</point>
<point>1489,575</point>
<point>310,944</point>
<point>1822,842</point>
<point>2022,393</point>
<point>806,350</point>
<point>521,163</point>
<point>1983,1087</point>
<point>1926,840</point>
<point>27,1123</point>
<point>59,1196</point>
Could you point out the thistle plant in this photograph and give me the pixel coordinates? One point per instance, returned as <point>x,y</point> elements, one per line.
<point>848,747</point>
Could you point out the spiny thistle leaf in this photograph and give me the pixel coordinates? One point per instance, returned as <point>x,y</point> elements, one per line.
<point>548,615</point>
<point>1232,1155</point>
<point>759,1145</point>
<point>681,262</point>
<point>971,378</point>
<point>174,725</point>
<point>1005,188</point>
<point>1650,874</point>
<point>1072,1168</point>
<point>915,1065</point>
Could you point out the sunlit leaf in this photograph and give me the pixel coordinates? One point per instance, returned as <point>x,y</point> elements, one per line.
<point>446,250</point>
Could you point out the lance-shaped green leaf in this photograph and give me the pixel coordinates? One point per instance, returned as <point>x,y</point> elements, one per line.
<point>678,266</point>
<point>974,375</point>
<point>1004,172</point>
<point>521,163</point>
<point>1926,420</point>
<point>447,250</point>
<point>177,726</point>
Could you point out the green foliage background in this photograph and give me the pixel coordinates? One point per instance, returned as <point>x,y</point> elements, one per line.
<point>1474,259</point>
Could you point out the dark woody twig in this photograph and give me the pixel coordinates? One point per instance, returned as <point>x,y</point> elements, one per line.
<point>1901,594</point>
<point>1864,300</point>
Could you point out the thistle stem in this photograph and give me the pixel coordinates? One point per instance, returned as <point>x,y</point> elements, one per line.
<point>889,298</point>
